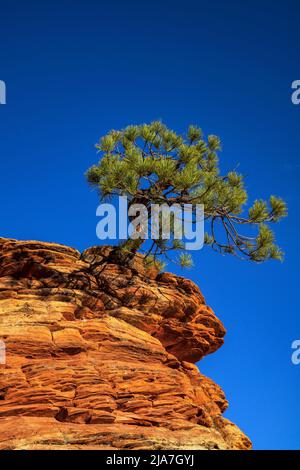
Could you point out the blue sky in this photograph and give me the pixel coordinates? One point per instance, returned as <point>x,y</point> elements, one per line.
<point>76,69</point>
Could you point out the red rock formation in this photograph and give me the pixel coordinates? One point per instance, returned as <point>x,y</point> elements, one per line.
<point>100,356</point>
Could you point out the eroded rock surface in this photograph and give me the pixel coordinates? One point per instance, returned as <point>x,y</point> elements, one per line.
<point>100,356</point>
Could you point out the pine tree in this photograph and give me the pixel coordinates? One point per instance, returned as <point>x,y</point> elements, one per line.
<point>151,164</point>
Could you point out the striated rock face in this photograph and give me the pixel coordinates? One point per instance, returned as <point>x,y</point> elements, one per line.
<point>100,356</point>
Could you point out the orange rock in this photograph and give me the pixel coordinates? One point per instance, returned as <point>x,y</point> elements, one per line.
<point>101,356</point>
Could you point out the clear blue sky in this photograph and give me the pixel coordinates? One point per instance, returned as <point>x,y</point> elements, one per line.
<point>75,69</point>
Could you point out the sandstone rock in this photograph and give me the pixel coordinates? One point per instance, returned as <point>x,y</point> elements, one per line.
<point>101,356</point>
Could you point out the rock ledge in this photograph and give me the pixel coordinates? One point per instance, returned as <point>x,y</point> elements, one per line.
<point>100,356</point>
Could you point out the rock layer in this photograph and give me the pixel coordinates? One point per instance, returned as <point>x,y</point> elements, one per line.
<point>101,356</point>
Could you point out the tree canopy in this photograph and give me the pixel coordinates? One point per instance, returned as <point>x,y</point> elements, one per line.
<point>152,164</point>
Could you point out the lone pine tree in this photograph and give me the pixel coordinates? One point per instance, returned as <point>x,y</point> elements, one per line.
<point>151,164</point>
